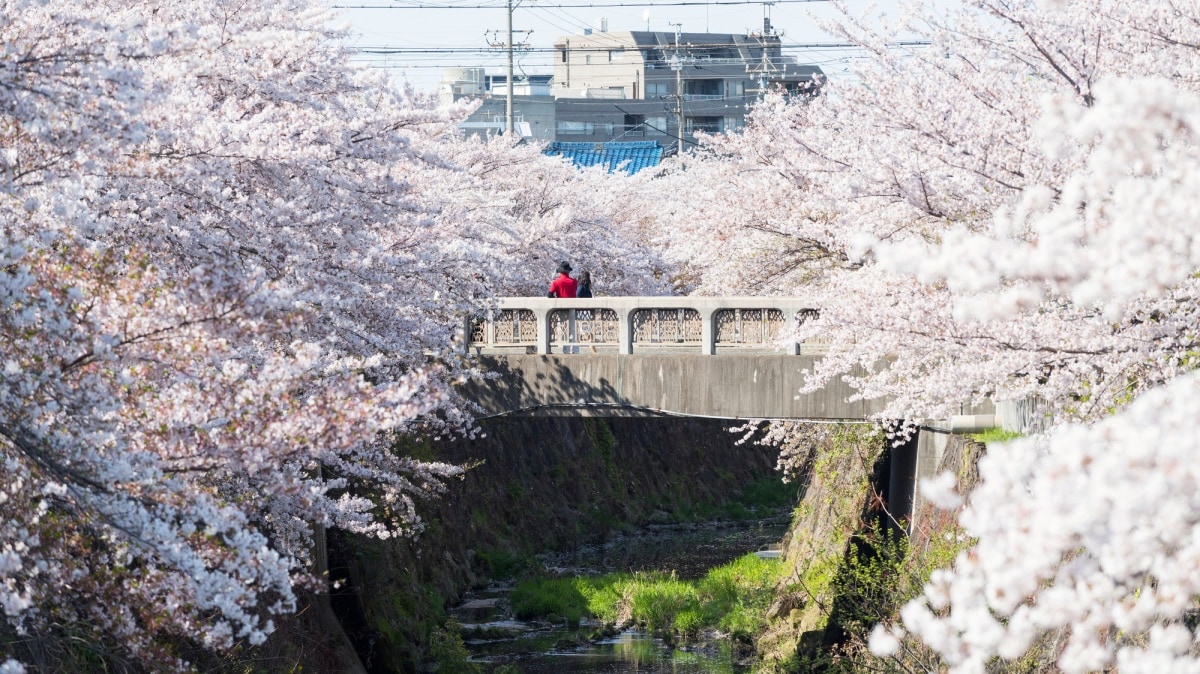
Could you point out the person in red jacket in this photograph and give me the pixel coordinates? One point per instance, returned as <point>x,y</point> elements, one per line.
<point>563,285</point>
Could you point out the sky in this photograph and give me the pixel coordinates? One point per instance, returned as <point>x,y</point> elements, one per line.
<point>425,37</point>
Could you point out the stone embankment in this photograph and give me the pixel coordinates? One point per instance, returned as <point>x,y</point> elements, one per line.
<point>544,484</point>
<point>848,566</point>
<point>538,484</point>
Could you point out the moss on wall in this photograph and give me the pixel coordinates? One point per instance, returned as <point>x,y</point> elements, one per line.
<point>850,570</point>
<point>838,491</point>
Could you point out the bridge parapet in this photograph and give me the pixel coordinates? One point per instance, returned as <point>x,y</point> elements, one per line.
<point>625,325</point>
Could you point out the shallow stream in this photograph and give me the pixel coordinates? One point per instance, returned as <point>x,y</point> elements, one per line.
<point>495,638</point>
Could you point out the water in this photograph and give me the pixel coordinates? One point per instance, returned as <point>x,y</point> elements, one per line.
<point>689,550</point>
<point>632,651</point>
<point>494,638</point>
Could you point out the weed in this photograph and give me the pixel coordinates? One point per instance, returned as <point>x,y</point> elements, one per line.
<point>732,598</point>
<point>995,435</point>
<point>500,564</point>
<point>448,651</point>
<point>656,599</point>
<point>549,598</point>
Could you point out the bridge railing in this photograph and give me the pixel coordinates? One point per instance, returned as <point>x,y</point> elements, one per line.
<point>625,325</point>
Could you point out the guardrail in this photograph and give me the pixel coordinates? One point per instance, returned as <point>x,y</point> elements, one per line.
<point>626,325</point>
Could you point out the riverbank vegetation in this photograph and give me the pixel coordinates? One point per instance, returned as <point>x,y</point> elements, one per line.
<point>729,600</point>
<point>662,473</point>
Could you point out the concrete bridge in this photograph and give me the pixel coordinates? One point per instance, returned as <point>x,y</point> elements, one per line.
<point>652,355</point>
<point>725,357</point>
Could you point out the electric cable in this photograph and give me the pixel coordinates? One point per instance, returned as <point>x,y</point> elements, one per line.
<point>582,5</point>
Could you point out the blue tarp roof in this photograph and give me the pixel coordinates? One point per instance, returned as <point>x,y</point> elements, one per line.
<point>629,156</point>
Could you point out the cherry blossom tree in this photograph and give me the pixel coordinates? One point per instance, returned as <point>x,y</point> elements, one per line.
<point>932,142</point>
<point>523,212</point>
<point>1007,212</point>
<point>191,382</point>
<point>232,271</point>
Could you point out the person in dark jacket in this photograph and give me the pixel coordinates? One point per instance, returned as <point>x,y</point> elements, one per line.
<point>584,288</point>
<point>563,285</point>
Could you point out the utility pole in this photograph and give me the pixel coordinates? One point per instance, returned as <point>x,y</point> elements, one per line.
<point>508,113</point>
<point>766,67</point>
<point>509,46</point>
<point>677,66</point>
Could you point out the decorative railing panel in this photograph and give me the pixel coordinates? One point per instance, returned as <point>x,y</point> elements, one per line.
<point>812,343</point>
<point>592,326</point>
<point>757,327</point>
<point>516,326</point>
<point>667,326</point>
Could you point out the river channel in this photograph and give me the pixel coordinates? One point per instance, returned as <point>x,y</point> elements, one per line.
<point>494,638</point>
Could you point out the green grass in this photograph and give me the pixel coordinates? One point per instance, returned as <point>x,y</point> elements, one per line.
<point>656,599</point>
<point>500,564</point>
<point>550,599</point>
<point>604,595</point>
<point>995,435</point>
<point>731,598</point>
<point>766,493</point>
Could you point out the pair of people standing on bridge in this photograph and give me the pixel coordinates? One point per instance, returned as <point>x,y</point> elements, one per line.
<point>565,286</point>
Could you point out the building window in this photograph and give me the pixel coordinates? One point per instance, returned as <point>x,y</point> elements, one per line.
<point>703,88</point>
<point>734,123</point>
<point>705,124</point>
<point>736,89</point>
<point>656,125</point>
<point>576,128</point>
<point>657,89</point>
<point>635,126</point>
<point>807,88</point>
<point>587,59</point>
<point>563,53</point>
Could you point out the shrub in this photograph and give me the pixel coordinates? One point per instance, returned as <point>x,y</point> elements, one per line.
<point>549,598</point>
<point>448,651</point>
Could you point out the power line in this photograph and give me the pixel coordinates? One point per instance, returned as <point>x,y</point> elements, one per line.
<point>605,49</point>
<point>424,59</point>
<point>557,16</point>
<point>647,3</point>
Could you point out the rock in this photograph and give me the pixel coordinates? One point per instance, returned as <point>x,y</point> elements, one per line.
<point>480,604</point>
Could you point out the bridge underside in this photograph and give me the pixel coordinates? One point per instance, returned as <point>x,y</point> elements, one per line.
<point>586,384</point>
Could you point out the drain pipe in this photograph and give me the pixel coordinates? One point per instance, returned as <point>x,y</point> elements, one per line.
<point>961,424</point>
<point>964,424</point>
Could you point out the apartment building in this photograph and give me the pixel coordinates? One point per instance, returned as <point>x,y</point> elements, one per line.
<point>631,85</point>
<point>640,86</point>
